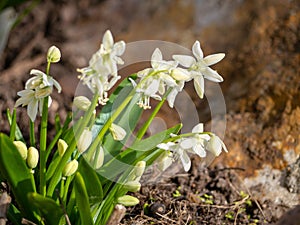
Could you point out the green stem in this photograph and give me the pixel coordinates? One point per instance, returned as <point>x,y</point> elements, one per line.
<point>13,126</point>
<point>43,144</point>
<point>31,133</point>
<point>57,174</point>
<point>62,187</point>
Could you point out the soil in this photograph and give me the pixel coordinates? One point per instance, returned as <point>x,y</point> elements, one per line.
<point>258,181</point>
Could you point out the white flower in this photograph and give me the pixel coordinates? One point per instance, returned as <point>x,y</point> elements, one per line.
<point>179,153</point>
<point>117,132</point>
<point>32,157</point>
<point>29,98</point>
<point>199,67</point>
<point>155,80</point>
<point>82,102</point>
<point>84,140</point>
<point>215,145</point>
<point>98,158</point>
<point>70,168</point>
<point>101,74</point>
<point>41,80</point>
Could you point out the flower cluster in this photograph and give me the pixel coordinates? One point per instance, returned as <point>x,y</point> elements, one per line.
<point>198,142</point>
<point>39,87</point>
<point>167,75</point>
<point>102,73</point>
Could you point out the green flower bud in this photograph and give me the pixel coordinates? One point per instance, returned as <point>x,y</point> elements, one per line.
<point>139,168</point>
<point>132,186</point>
<point>82,103</point>
<point>21,148</point>
<point>62,147</point>
<point>32,157</point>
<point>53,55</point>
<point>70,168</point>
<point>128,200</point>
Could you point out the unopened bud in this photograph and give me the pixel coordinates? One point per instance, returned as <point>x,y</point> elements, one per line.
<point>62,147</point>
<point>53,55</point>
<point>82,103</point>
<point>98,158</point>
<point>128,200</point>
<point>85,140</point>
<point>21,148</point>
<point>164,160</point>
<point>32,157</point>
<point>70,168</point>
<point>132,186</point>
<point>117,132</point>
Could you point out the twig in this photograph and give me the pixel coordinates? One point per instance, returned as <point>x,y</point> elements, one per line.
<point>5,200</point>
<point>117,215</point>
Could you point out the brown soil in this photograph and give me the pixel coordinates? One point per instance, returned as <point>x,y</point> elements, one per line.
<point>261,87</point>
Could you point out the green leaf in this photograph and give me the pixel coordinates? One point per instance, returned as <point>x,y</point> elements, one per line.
<point>14,215</point>
<point>140,149</point>
<point>82,200</point>
<point>18,176</point>
<point>92,182</point>
<point>50,210</point>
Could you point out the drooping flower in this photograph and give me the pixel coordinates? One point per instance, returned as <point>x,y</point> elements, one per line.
<point>215,145</point>
<point>199,67</point>
<point>32,157</point>
<point>164,160</point>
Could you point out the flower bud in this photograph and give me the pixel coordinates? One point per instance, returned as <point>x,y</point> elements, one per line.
<point>21,148</point>
<point>53,55</point>
<point>132,186</point>
<point>62,147</point>
<point>98,162</point>
<point>84,140</point>
<point>32,157</point>
<point>139,168</point>
<point>70,168</point>
<point>82,103</point>
<point>128,200</point>
<point>180,74</point>
<point>117,132</point>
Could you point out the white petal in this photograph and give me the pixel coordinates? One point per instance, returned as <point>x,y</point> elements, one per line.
<point>214,145</point>
<point>211,75</point>
<point>32,109</point>
<point>199,150</point>
<point>199,86</point>
<point>197,51</point>
<point>37,73</point>
<point>119,48</point>
<point>156,58</point>
<point>213,59</point>
<point>187,143</point>
<point>186,162</point>
<point>184,60</point>
<point>156,97</point>
<point>108,40</point>
<point>57,85</point>
<point>198,128</point>
<point>171,97</point>
<point>152,88</point>
<point>163,146</point>
<point>132,82</point>
<point>181,74</point>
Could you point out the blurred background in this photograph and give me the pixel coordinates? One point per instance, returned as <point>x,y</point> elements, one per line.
<point>261,69</point>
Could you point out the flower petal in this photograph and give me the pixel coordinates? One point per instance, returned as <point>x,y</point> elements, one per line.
<point>156,58</point>
<point>108,40</point>
<point>211,75</point>
<point>184,60</point>
<point>198,128</point>
<point>181,74</point>
<point>119,48</point>
<point>32,109</point>
<point>186,162</point>
<point>213,59</point>
<point>152,88</point>
<point>199,150</point>
<point>199,86</point>
<point>197,51</point>
<point>117,132</point>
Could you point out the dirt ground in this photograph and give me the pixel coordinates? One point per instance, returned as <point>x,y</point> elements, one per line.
<point>258,181</point>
